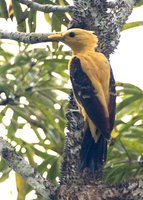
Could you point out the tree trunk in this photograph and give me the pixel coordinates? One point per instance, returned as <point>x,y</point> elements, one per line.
<point>107,20</point>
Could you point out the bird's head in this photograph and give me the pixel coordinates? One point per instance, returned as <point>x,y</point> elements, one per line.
<point>78,39</point>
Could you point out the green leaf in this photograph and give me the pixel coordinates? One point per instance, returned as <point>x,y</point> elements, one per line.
<point>138,3</point>
<point>30,155</point>
<point>57,20</point>
<point>32,20</point>
<point>20,16</point>
<point>133,144</point>
<point>48,18</point>
<point>12,128</point>
<point>3,9</point>
<point>128,102</point>
<point>127,85</point>
<point>4,169</point>
<point>54,171</point>
<point>4,177</point>
<point>132,25</point>
<point>3,165</point>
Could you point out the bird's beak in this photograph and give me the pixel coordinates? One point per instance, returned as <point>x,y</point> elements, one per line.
<point>56,37</point>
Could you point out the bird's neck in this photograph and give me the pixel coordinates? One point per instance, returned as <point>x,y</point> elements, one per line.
<point>83,51</point>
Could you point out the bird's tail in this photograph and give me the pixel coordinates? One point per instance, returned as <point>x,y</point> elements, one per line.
<point>92,155</point>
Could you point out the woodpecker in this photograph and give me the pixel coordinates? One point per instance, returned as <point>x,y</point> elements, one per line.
<point>94,91</point>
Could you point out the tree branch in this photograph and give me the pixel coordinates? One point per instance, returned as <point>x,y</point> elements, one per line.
<point>30,38</point>
<point>31,176</point>
<point>47,8</point>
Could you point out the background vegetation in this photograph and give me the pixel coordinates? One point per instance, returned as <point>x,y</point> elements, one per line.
<point>34,95</point>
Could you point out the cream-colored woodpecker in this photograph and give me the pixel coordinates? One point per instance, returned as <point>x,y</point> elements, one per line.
<point>94,90</point>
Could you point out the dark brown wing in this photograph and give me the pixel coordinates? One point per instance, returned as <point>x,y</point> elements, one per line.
<point>112,101</point>
<point>86,95</point>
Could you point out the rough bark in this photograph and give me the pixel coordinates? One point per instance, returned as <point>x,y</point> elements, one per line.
<point>30,38</point>
<point>46,8</point>
<point>107,20</point>
<point>31,176</point>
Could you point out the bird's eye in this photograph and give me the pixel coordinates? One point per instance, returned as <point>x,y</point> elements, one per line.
<point>71,34</point>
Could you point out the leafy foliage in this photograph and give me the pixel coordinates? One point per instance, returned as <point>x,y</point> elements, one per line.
<point>125,157</point>
<point>33,99</point>
<point>30,94</point>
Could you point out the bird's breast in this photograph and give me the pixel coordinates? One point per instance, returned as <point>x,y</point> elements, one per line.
<point>96,67</point>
